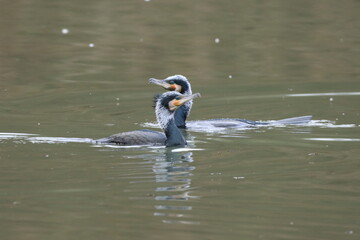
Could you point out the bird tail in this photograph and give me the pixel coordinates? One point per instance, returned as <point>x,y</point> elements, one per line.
<point>293,120</point>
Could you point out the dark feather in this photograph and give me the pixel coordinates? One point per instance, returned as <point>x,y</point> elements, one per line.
<point>155,99</point>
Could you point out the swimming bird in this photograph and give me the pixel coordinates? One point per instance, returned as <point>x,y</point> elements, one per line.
<point>177,83</point>
<point>180,83</point>
<point>166,104</point>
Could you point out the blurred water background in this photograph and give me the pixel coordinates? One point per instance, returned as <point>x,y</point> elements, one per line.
<point>71,71</point>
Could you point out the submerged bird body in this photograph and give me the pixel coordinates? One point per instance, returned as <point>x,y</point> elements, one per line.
<point>137,137</point>
<point>243,123</point>
<point>179,83</point>
<point>166,104</point>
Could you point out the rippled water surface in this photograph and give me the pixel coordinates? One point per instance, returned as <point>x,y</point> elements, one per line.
<point>73,71</point>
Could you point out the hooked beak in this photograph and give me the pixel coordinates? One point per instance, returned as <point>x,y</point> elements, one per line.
<point>187,98</point>
<point>161,83</point>
<point>176,103</point>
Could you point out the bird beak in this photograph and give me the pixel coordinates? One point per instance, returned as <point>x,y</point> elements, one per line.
<point>162,83</point>
<point>187,98</point>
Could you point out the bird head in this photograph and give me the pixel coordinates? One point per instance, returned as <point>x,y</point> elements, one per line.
<point>177,83</point>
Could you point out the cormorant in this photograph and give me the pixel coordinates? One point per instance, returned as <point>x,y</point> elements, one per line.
<point>166,104</point>
<point>179,83</point>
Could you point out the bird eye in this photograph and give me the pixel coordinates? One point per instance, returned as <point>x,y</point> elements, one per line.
<point>177,98</point>
<point>171,82</point>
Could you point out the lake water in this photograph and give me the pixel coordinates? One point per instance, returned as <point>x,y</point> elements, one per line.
<point>72,71</point>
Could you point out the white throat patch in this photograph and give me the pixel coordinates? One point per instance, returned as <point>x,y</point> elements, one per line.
<point>163,115</point>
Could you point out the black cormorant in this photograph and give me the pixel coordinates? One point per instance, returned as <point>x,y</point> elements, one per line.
<point>179,83</point>
<point>165,107</point>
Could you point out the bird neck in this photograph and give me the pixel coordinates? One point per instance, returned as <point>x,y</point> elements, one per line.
<point>173,135</point>
<point>184,111</point>
<point>186,91</point>
<point>180,116</point>
<point>166,121</point>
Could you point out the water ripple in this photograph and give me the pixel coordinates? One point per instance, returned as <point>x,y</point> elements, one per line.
<point>334,139</point>
<point>172,173</point>
<point>221,130</point>
<point>323,94</point>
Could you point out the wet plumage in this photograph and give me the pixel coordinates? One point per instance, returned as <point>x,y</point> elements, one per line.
<point>166,104</point>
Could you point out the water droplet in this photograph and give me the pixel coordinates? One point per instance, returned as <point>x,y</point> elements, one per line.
<point>39,124</point>
<point>230,76</point>
<point>64,31</point>
<point>91,45</point>
<point>331,99</point>
<point>217,40</point>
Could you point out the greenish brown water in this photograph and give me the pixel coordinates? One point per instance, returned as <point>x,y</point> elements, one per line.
<point>258,60</point>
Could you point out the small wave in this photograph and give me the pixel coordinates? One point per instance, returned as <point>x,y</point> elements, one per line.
<point>150,125</point>
<point>33,138</point>
<point>15,135</point>
<point>202,126</point>
<point>52,140</point>
<point>187,149</point>
<point>334,139</point>
<point>328,124</point>
<point>323,94</point>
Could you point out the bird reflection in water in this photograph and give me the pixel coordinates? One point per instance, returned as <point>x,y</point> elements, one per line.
<point>173,172</point>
